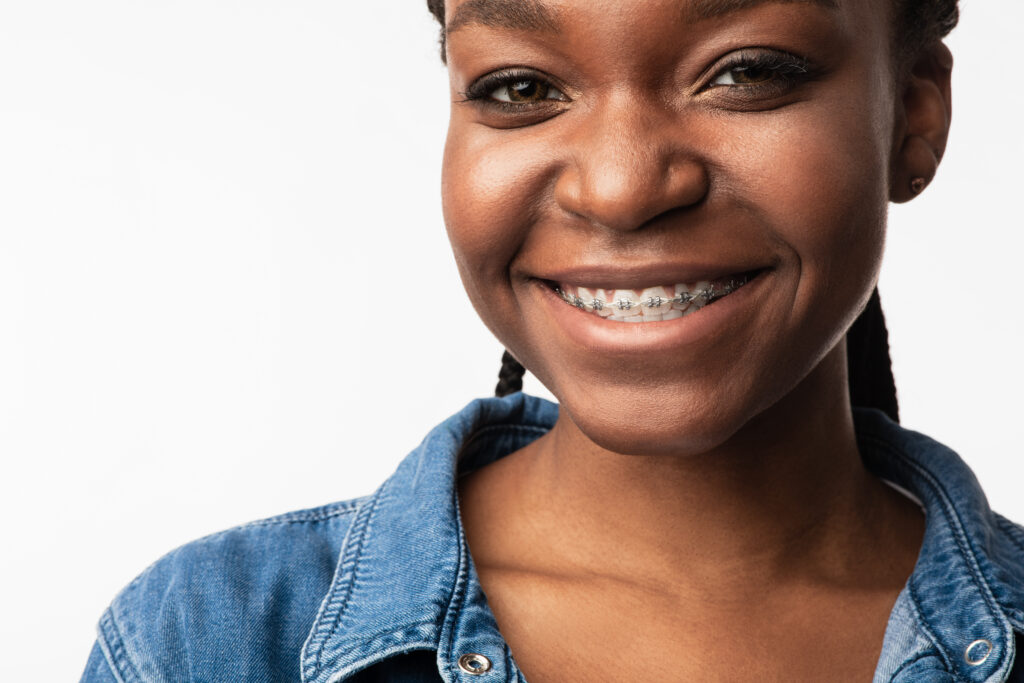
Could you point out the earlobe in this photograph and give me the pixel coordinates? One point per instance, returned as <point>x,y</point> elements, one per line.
<point>916,165</point>
<point>925,109</point>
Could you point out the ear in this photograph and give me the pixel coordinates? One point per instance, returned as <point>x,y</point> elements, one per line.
<point>924,110</point>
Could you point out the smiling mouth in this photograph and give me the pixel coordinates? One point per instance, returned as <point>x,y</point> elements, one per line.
<point>651,304</point>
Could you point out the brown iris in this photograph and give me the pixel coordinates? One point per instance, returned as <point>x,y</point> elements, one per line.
<point>751,74</point>
<point>528,91</point>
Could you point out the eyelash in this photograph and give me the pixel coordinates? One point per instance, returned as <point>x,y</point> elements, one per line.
<point>481,89</point>
<point>788,70</point>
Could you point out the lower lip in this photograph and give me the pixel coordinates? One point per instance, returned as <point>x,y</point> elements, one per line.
<point>595,334</point>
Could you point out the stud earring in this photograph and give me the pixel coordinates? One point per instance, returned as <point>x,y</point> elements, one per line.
<point>918,184</point>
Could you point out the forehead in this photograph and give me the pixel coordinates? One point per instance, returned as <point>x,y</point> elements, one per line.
<point>547,14</point>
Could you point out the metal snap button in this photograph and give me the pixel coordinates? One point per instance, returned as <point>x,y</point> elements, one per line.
<point>978,651</point>
<point>474,664</point>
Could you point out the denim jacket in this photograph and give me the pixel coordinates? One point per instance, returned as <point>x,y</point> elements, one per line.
<point>383,588</point>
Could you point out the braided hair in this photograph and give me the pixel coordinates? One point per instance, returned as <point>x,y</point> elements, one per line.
<point>918,23</point>
<point>510,377</point>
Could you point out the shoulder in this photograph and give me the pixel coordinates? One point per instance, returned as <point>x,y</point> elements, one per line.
<point>235,605</point>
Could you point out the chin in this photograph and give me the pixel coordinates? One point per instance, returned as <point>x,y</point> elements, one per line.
<point>658,423</point>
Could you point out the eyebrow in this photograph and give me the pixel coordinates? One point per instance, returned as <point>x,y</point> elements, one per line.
<point>709,9</point>
<point>534,15</point>
<point>524,15</point>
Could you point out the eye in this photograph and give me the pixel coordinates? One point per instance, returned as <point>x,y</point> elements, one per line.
<point>526,90</point>
<point>745,75</point>
<point>761,69</point>
<point>514,87</point>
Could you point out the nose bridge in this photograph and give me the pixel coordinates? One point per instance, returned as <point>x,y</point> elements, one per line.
<point>631,161</point>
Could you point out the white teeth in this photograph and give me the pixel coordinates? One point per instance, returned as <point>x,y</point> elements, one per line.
<point>652,304</point>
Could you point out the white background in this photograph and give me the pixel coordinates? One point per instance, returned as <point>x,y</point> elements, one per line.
<point>197,200</point>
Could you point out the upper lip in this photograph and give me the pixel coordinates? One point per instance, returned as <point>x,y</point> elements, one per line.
<point>606,276</point>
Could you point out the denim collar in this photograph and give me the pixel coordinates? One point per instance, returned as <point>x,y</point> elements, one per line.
<point>952,622</point>
<point>405,581</point>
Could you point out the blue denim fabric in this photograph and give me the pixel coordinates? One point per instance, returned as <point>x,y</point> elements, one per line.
<point>383,588</point>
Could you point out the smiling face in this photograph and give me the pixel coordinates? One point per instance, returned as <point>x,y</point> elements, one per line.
<point>601,149</point>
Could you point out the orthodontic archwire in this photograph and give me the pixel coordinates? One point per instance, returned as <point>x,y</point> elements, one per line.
<point>702,297</point>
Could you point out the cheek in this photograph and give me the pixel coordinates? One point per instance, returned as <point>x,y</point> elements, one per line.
<point>493,185</point>
<point>817,181</point>
<point>820,180</point>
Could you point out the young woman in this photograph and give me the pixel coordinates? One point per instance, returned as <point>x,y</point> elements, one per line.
<point>673,213</point>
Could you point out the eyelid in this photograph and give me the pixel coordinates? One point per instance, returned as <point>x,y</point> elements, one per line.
<point>785,63</point>
<point>481,88</point>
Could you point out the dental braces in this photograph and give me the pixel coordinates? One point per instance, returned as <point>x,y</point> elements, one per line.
<point>702,298</point>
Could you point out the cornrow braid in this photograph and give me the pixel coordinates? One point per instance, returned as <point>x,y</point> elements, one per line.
<point>868,364</point>
<point>510,377</point>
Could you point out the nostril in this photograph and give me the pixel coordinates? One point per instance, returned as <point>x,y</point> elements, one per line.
<point>629,195</point>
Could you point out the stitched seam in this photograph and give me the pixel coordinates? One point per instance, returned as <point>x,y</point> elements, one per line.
<point>321,517</point>
<point>458,590</point>
<point>910,662</point>
<point>1011,531</point>
<point>108,657</point>
<point>927,630</point>
<point>314,638</point>
<point>958,533</point>
<point>1016,620</point>
<point>121,662</point>
<point>338,603</point>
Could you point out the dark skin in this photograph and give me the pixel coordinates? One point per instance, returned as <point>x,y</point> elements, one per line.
<point>700,510</point>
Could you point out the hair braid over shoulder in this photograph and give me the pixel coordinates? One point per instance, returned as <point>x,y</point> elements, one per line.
<point>510,377</point>
<point>868,364</point>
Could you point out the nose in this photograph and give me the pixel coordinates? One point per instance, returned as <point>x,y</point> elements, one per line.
<point>628,166</point>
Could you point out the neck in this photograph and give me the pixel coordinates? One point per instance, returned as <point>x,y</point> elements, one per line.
<point>786,498</point>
